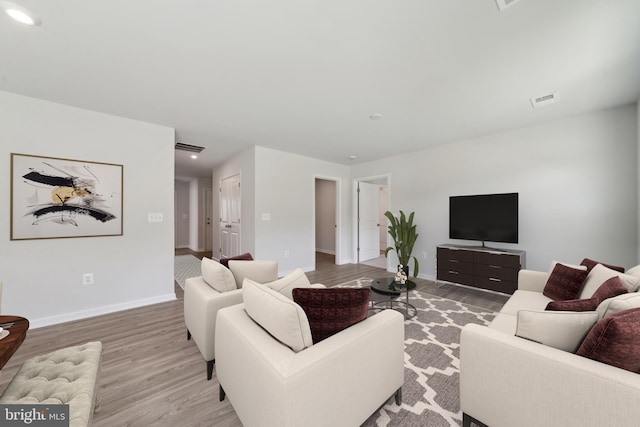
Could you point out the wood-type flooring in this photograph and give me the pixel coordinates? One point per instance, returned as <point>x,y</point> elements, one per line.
<point>152,376</point>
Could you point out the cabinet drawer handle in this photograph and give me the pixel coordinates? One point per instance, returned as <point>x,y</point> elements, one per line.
<point>453,260</point>
<point>453,272</point>
<point>493,279</point>
<point>494,266</point>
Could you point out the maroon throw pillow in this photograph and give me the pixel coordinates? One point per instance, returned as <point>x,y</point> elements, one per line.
<point>564,283</point>
<point>610,288</point>
<point>589,304</point>
<point>615,340</point>
<point>242,257</point>
<point>331,310</point>
<point>589,263</point>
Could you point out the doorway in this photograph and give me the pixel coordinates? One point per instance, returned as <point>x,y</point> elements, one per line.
<point>326,193</point>
<point>371,202</point>
<point>208,227</point>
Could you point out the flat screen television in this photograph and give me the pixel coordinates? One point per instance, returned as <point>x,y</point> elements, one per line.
<point>484,217</point>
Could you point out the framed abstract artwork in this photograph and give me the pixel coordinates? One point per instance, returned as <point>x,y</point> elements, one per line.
<point>54,198</point>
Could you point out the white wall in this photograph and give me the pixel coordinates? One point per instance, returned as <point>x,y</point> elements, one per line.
<point>284,188</point>
<point>638,172</point>
<point>244,164</point>
<point>577,180</point>
<point>43,278</point>
<point>325,215</point>
<point>182,214</point>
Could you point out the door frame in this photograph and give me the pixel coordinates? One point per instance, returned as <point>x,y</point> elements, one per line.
<point>338,230</point>
<point>356,207</point>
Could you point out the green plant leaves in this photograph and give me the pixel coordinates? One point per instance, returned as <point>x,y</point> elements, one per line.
<point>404,235</point>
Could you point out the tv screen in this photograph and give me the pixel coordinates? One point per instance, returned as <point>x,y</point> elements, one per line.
<point>485,217</point>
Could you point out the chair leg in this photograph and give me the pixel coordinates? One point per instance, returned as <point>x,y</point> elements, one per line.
<point>222,394</point>
<point>188,335</point>
<point>399,396</point>
<point>210,368</point>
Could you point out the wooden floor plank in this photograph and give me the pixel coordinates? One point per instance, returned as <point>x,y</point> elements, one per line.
<point>152,376</point>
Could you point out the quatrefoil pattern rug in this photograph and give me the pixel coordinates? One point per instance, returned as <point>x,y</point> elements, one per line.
<point>430,395</point>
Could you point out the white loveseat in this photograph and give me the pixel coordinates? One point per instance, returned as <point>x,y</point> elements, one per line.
<point>508,381</point>
<point>339,381</point>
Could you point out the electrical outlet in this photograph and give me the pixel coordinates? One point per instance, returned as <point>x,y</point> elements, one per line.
<point>155,217</point>
<point>286,253</point>
<point>87,279</point>
<point>424,254</point>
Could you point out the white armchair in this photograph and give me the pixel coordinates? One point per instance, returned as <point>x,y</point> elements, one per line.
<point>339,381</point>
<point>202,301</point>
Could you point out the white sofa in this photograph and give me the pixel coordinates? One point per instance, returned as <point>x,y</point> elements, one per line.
<point>339,381</point>
<point>202,302</point>
<point>508,381</point>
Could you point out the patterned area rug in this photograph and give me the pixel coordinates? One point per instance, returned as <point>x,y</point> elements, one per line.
<point>185,266</point>
<point>430,395</point>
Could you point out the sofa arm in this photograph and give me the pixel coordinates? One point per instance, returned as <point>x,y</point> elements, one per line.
<point>201,305</point>
<point>508,381</point>
<point>530,280</point>
<point>339,381</point>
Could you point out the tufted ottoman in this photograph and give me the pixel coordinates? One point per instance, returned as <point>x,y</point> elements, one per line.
<point>66,376</point>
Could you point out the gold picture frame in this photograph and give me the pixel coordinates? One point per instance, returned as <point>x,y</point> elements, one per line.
<point>55,198</point>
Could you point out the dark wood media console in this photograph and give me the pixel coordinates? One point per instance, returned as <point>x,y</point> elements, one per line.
<point>480,267</point>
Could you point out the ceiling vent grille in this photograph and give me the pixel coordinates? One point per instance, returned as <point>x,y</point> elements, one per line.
<point>186,147</point>
<point>503,4</point>
<point>547,99</point>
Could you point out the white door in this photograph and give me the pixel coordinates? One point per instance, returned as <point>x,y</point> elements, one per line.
<point>384,226</point>
<point>230,216</point>
<point>208,227</point>
<point>368,221</point>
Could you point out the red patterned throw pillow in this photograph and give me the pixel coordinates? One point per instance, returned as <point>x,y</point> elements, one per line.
<point>333,309</point>
<point>564,283</point>
<point>615,340</point>
<point>589,263</point>
<point>610,288</point>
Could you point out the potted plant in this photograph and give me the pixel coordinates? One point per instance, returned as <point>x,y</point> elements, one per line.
<point>404,235</point>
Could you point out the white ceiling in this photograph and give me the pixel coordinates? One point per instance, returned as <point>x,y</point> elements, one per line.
<point>304,76</point>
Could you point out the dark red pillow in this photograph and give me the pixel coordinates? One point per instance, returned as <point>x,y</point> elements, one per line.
<point>610,288</point>
<point>243,257</point>
<point>615,340</point>
<point>564,283</point>
<point>589,304</point>
<point>589,263</point>
<point>333,309</point>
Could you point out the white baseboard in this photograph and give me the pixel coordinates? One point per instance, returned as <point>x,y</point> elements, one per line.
<point>83,314</point>
<point>324,251</point>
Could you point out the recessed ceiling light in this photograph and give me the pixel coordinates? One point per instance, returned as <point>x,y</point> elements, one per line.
<point>352,157</point>
<point>375,116</point>
<point>193,156</point>
<point>19,13</point>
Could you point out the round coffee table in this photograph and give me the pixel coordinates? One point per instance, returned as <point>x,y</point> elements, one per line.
<point>389,287</point>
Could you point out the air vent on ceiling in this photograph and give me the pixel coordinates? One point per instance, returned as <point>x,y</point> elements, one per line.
<point>549,98</point>
<point>186,147</point>
<point>503,4</point>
